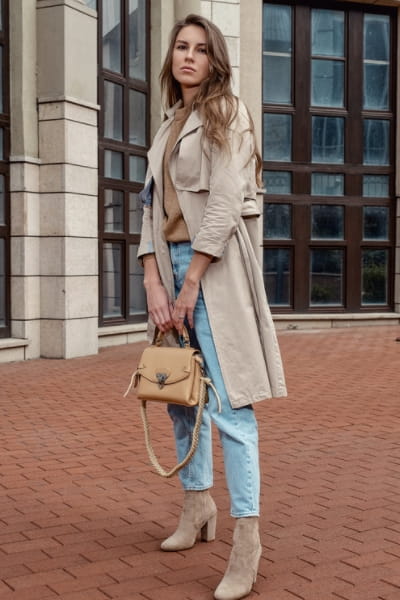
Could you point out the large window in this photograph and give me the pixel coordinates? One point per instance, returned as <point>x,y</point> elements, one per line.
<point>4,175</point>
<point>328,150</point>
<point>124,135</point>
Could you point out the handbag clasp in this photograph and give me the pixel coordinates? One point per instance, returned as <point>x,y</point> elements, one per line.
<point>161,378</point>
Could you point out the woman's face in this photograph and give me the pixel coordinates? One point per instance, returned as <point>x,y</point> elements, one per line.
<point>190,64</point>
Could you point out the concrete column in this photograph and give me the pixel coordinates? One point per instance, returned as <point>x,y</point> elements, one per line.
<point>67,98</point>
<point>24,178</point>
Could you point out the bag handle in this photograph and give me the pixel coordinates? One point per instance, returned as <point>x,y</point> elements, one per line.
<point>159,336</point>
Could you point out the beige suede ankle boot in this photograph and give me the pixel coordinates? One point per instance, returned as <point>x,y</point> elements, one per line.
<point>199,515</point>
<point>243,562</point>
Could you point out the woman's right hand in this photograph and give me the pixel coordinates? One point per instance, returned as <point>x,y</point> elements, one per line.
<point>159,306</point>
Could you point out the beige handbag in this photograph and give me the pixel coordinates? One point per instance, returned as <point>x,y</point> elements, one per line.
<point>175,376</point>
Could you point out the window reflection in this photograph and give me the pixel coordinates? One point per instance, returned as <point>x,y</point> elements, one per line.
<point>113,164</point>
<point>277,182</point>
<point>277,54</point>
<point>326,277</point>
<point>277,276</point>
<point>327,83</point>
<point>277,137</point>
<point>374,267</point>
<point>327,38</point>
<point>137,295</point>
<point>376,186</point>
<point>137,168</point>
<point>113,210</point>
<point>137,118</point>
<point>113,97</point>
<point>112,280</point>
<point>135,213</point>
<point>112,35</point>
<point>376,142</point>
<point>376,61</point>
<point>326,184</point>
<point>375,223</point>
<point>137,39</point>
<point>327,222</point>
<point>277,221</point>
<point>327,139</point>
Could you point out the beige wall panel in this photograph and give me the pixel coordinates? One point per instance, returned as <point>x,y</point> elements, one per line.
<point>52,336</point>
<point>51,111</point>
<point>25,255</point>
<point>25,292</point>
<point>68,141</point>
<point>206,9</point>
<point>81,337</point>
<point>185,7</point>
<point>25,213</point>
<point>227,18</point>
<point>69,214</point>
<point>69,297</point>
<point>23,91</point>
<point>24,177</point>
<point>68,178</point>
<point>69,255</point>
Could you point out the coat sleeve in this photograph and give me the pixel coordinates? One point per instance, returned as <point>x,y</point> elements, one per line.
<point>229,173</point>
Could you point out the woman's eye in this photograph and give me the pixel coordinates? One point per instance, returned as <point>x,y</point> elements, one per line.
<point>181,47</point>
<point>203,50</point>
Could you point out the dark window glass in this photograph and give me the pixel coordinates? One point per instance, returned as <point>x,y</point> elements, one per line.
<point>327,222</point>
<point>137,168</point>
<point>277,221</point>
<point>112,280</point>
<point>326,285</point>
<point>374,277</point>
<point>277,267</point>
<point>137,293</point>
<point>376,186</point>
<point>376,223</point>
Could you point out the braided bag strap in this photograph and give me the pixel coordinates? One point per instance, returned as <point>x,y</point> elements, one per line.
<point>195,438</point>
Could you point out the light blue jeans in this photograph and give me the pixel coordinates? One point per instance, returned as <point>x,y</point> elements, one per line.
<point>237,427</point>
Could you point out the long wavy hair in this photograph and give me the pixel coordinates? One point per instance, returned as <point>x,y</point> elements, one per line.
<point>214,100</point>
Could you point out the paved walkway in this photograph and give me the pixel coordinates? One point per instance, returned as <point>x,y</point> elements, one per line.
<point>82,515</point>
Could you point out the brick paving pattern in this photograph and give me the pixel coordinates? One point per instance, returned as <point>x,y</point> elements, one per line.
<point>82,514</point>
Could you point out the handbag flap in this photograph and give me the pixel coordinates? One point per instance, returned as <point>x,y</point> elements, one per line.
<point>166,365</point>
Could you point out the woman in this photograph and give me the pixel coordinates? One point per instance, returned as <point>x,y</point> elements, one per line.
<point>200,269</point>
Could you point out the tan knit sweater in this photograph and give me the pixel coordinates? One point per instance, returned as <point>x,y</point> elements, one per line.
<point>174,226</point>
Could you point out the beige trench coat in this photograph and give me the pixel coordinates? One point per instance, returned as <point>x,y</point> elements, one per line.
<point>214,192</point>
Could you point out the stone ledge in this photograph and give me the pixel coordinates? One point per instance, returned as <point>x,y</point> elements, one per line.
<point>13,349</point>
<point>334,320</point>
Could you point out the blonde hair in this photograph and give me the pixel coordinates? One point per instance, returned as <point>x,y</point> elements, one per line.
<point>214,100</point>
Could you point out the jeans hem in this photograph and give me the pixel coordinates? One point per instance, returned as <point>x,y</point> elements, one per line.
<point>248,514</point>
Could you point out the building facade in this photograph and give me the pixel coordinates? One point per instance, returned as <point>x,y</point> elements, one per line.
<point>79,105</point>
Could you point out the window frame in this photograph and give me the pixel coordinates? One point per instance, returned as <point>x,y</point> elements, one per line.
<point>127,149</point>
<point>302,167</point>
<point>5,230</point>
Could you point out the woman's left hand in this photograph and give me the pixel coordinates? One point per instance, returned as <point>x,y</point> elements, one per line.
<point>184,305</point>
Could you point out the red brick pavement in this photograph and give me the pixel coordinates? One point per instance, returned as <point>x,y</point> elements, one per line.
<point>82,514</point>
